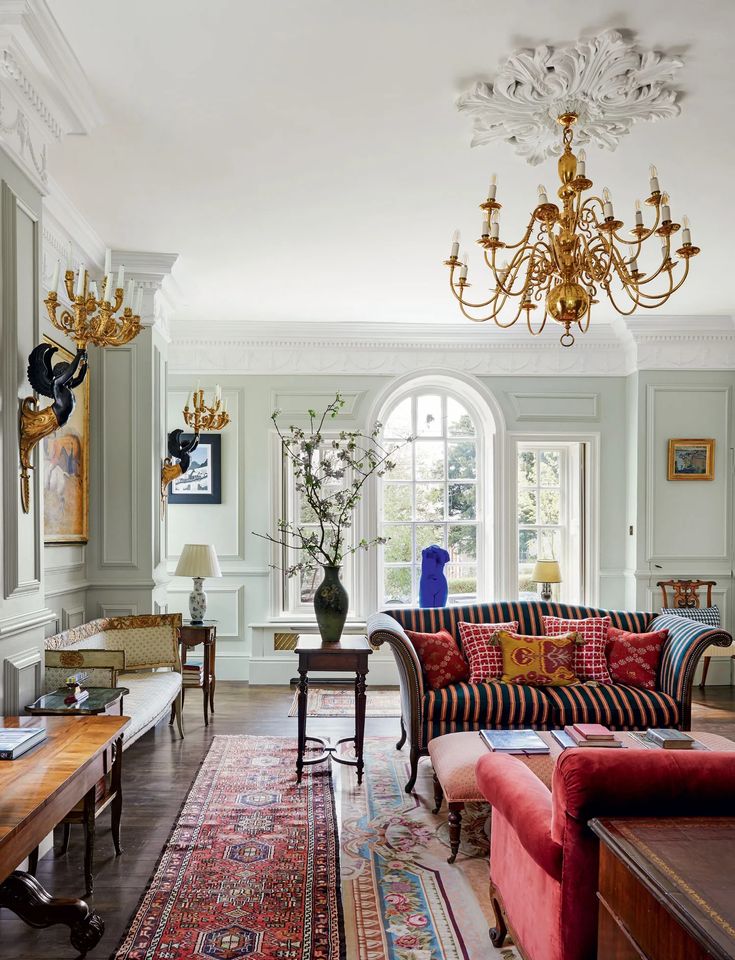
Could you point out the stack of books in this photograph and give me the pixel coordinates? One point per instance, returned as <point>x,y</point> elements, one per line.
<point>15,741</point>
<point>586,735</point>
<point>526,742</point>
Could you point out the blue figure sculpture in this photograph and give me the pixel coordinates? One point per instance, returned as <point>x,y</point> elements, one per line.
<point>433,587</point>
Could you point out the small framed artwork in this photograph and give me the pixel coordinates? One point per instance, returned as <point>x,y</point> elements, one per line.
<point>691,459</point>
<point>65,456</point>
<point>202,482</point>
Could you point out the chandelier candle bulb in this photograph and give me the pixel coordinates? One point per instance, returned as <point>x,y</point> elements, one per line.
<point>130,290</point>
<point>109,294</point>
<point>485,228</point>
<point>494,228</point>
<point>665,209</point>
<point>93,290</point>
<point>638,214</point>
<point>582,164</point>
<point>686,235</point>
<point>607,207</point>
<point>138,301</point>
<point>542,196</point>
<point>120,285</point>
<point>455,245</point>
<point>463,270</point>
<point>653,181</point>
<point>80,282</point>
<point>493,187</point>
<point>55,277</point>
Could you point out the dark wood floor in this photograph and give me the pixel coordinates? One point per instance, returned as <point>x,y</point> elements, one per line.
<point>159,769</point>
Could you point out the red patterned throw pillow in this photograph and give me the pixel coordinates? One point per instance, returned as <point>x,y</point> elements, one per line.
<point>633,657</point>
<point>440,657</point>
<point>589,657</point>
<point>482,648</point>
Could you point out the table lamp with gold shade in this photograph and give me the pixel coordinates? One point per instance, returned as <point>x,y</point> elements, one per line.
<point>198,560</point>
<point>546,572</point>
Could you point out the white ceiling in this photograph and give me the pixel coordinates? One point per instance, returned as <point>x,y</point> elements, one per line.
<point>306,159</point>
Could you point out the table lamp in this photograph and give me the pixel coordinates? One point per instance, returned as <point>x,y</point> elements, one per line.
<point>198,560</point>
<point>546,572</point>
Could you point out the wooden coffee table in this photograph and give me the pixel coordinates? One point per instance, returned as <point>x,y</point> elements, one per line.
<point>36,792</point>
<point>454,757</point>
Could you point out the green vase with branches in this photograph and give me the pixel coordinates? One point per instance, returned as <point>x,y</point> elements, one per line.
<point>330,474</point>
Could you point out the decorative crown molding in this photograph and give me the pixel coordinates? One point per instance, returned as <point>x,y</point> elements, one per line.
<point>607,80</point>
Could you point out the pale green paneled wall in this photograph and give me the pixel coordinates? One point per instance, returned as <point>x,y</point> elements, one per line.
<point>530,406</point>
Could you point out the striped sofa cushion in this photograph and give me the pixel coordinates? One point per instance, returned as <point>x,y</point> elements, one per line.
<point>528,614</point>
<point>616,705</point>
<point>473,706</point>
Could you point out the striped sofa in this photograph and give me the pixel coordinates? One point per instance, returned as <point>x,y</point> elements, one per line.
<point>428,713</point>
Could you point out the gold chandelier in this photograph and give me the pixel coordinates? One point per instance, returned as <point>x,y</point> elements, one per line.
<point>567,256</point>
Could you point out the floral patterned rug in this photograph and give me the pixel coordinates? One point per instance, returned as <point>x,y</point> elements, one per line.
<point>402,900</point>
<point>329,701</point>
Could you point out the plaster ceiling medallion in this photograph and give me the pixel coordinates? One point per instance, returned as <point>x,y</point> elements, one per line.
<point>607,81</point>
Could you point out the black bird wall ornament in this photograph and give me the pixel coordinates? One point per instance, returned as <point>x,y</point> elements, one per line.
<point>57,382</point>
<point>179,451</point>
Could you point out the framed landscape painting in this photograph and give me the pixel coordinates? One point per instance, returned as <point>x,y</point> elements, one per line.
<point>65,458</point>
<point>691,459</point>
<point>202,482</point>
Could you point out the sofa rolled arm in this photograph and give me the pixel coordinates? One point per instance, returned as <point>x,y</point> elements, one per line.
<point>682,649</point>
<point>524,801</point>
<point>382,628</point>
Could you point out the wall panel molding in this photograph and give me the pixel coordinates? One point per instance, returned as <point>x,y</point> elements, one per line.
<point>122,450</point>
<point>14,666</point>
<point>554,407</point>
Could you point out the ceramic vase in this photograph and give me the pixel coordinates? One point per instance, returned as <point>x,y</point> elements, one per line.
<point>331,603</point>
<point>197,601</point>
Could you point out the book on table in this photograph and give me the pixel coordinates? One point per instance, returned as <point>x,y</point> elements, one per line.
<point>15,741</point>
<point>593,731</point>
<point>514,741</point>
<point>578,740</point>
<point>670,739</point>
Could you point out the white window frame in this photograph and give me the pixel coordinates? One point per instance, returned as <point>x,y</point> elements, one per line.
<point>483,484</point>
<point>589,447</point>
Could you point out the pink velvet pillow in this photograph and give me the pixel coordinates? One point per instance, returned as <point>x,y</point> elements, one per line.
<point>589,658</point>
<point>633,657</point>
<point>440,657</point>
<point>482,648</point>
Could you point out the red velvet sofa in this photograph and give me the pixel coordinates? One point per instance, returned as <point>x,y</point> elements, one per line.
<point>544,857</point>
<point>428,713</point>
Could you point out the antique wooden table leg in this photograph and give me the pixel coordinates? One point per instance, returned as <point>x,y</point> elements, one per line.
<point>303,695</point>
<point>360,701</point>
<point>116,785</point>
<point>205,685</point>
<point>24,895</point>
<point>33,861</point>
<point>89,829</point>
<point>438,795</point>
<point>212,679</point>
<point>455,829</point>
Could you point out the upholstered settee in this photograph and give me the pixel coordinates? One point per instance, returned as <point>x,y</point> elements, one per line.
<point>543,855</point>
<point>140,653</point>
<point>428,713</point>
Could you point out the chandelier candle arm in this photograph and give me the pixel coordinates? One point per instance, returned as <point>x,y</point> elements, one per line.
<point>577,250</point>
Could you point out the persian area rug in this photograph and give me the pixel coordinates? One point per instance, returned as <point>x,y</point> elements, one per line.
<point>402,900</point>
<point>325,701</point>
<point>252,866</point>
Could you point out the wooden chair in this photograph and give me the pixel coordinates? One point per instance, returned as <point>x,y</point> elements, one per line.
<point>685,594</point>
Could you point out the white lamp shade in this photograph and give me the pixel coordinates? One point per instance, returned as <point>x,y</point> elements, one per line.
<point>546,571</point>
<point>198,560</point>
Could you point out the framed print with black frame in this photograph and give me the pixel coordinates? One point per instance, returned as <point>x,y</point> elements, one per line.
<point>202,482</point>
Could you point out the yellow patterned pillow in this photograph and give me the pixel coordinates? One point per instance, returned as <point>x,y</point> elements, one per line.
<point>538,661</point>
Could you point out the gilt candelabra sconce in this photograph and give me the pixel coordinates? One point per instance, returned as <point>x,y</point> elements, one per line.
<point>109,319</point>
<point>56,382</point>
<point>199,416</point>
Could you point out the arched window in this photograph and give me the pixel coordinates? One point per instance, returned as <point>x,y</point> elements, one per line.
<point>435,495</point>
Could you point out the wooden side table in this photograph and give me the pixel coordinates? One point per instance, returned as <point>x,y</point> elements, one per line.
<point>191,635</point>
<point>349,655</point>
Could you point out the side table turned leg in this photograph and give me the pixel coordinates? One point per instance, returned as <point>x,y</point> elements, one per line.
<point>24,895</point>
<point>455,829</point>
<point>302,703</point>
<point>360,701</point>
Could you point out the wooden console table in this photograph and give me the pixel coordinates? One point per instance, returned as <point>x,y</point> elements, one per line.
<point>349,655</point>
<point>666,888</point>
<point>36,792</point>
<point>191,635</point>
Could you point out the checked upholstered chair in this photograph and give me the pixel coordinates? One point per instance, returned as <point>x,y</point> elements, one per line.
<point>428,713</point>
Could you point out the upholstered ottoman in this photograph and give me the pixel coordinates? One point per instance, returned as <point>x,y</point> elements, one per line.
<point>454,758</point>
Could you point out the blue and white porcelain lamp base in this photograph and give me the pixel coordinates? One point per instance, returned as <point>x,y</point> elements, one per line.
<point>197,602</point>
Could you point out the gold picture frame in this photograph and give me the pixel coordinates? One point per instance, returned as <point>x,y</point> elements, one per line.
<point>65,461</point>
<point>691,459</point>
